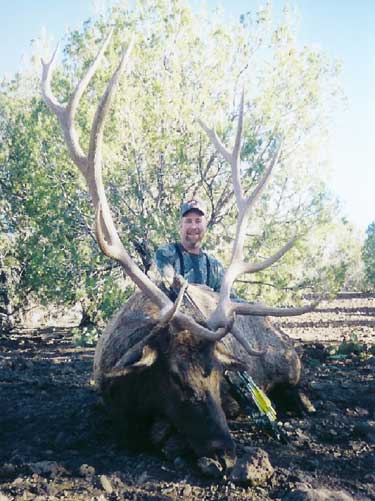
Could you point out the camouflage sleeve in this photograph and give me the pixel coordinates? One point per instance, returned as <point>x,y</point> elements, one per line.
<point>165,256</point>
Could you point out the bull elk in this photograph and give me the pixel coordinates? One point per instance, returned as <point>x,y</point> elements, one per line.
<point>157,358</point>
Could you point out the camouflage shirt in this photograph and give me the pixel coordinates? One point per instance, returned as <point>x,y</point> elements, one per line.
<point>195,268</point>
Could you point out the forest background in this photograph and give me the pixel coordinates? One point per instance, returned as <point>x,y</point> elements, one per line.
<point>185,64</point>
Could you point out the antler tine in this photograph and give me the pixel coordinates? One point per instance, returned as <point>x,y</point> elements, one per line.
<point>83,83</point>
<point>237,264</point>
<point>238,140</point>
<point>93,174</point>
<point>266,175</point>
<point>105,102</point>
<point>65,114</point>
<point>211,133</point>
<point>48,96</point>
<point>235,161</point>
<point>237,252</point>
<point>106,231</point>
<point>233,157</point>
<point>252,268</point>
<point>185,322</point>
<point>244,342</point>
<point>263,311</point>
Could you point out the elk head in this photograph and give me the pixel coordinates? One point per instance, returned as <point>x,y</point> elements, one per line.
<point>220,322</point>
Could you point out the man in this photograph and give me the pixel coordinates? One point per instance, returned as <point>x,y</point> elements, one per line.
<point>187,257</point>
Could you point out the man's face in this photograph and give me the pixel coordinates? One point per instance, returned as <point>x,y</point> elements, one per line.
<point>193,229</point>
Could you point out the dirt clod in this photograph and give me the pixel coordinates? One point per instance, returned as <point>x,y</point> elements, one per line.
<point>187,491</point>
<point>86,471</point>
<point>253,468</point>
<point>106,484</point>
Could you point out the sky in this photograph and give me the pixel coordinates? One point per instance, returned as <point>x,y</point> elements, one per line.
<point>342,28</point>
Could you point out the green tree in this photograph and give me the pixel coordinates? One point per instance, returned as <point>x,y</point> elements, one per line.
<point>184,65</point>
<point>47,248</point>
<point>368,254</point>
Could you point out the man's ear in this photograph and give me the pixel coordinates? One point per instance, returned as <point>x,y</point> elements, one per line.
<point>227,360</point>
<point>134,361</point>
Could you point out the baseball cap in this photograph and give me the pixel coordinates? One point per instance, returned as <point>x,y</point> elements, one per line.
<point>193,204</point>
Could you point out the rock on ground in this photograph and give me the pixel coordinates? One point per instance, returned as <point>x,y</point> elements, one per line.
<point>253,468</point>
<point>309,494</point>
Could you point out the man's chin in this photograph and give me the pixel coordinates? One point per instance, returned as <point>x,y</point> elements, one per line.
<point>193,243</point>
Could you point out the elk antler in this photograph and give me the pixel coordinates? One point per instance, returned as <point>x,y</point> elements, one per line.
<point>90,165</point>
<point>226,308</point>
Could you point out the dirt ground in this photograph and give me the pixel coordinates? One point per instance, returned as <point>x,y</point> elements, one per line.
<point>56,440</point>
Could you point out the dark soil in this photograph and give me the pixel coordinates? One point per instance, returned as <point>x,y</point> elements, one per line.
<point>56,441</point>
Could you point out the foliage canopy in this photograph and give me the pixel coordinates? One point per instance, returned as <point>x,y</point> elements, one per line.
<point>184,65</point>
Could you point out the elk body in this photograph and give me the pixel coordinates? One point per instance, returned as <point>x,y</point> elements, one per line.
<point>160,359</point>
<point>147,374</point>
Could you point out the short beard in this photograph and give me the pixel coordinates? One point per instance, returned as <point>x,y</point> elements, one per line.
<point>192,244</point>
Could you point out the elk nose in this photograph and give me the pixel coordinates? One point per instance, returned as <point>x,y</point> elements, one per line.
<point>225,452</point>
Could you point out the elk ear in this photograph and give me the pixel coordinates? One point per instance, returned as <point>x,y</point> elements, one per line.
<point>134,361</point>
<point>227,360</point>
